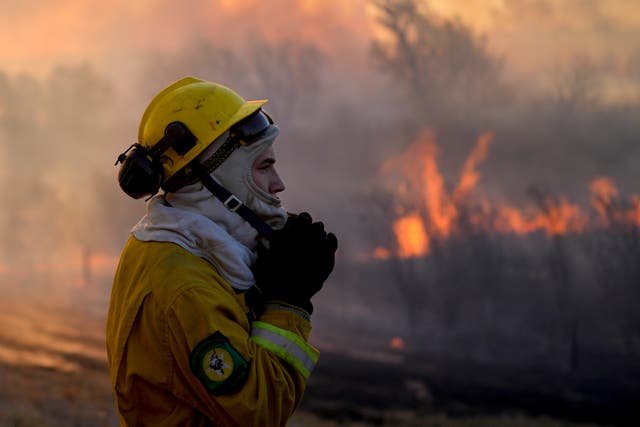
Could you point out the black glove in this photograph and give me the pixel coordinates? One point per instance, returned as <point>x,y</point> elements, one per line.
<point>299,259</point>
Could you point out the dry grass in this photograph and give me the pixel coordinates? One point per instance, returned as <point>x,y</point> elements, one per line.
<point>52,367</point>
<point>410,419</point>
<point>53,373</point>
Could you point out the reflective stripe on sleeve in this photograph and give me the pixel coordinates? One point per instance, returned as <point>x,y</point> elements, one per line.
<point>286,345</point>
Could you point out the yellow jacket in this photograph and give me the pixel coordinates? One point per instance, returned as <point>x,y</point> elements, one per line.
<point>182,350</point>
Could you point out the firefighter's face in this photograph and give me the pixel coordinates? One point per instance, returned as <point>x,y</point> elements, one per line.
<point>264,173</point>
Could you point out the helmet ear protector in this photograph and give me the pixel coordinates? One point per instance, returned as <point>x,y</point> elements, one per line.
<point>141,173</point>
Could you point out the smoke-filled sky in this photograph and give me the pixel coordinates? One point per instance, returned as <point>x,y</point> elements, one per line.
<point>121,40</point>
<point>542,29</point>
<point>38,34</point>
<point>534,36</point>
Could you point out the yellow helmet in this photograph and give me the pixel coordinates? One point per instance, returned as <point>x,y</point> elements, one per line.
<point>207,109</point>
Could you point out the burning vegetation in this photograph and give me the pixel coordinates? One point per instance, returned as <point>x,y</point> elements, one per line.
<point>467,273</point>
<point>426,210</point>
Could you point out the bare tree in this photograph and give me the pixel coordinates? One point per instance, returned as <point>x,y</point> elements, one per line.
<point>287,72</point>
<point>576,87</point>
<point>443,66</point>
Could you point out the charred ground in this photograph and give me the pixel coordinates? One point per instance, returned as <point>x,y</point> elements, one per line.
<point>63,381</point>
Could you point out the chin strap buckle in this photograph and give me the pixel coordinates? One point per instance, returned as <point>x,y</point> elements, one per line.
<point>232,203</point>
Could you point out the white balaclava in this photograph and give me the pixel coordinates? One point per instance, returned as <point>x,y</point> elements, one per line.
<point>235,174</point>
<point>196,220</point>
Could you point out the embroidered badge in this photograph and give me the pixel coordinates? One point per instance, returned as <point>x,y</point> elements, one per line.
<point>218,365</point>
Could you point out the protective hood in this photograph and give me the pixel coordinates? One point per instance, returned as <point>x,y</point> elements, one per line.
<point>235,175</point>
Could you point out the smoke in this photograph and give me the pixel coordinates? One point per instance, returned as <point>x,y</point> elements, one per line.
<point>537,75</point>
<point>550,34</point>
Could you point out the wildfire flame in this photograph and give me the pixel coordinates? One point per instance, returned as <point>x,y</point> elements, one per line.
<point>437,212</point>
<point>412,237</point>
<point>397,343</point>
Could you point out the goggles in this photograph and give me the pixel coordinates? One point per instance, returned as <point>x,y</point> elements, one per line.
<point>250,129</point>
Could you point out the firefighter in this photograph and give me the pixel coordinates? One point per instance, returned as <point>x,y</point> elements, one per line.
<point>209,315</point>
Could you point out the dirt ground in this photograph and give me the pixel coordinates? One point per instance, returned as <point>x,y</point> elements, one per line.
<point>53,373</point>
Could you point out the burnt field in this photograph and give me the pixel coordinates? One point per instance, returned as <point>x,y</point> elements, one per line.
<point>373,391</point>
<point>53,373</point>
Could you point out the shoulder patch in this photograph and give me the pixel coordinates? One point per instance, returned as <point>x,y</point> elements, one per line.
<point>218,365</point>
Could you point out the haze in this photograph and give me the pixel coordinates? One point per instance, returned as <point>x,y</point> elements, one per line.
<point>498,135</point>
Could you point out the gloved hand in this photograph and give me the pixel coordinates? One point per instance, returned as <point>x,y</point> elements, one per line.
<point>299,259</point>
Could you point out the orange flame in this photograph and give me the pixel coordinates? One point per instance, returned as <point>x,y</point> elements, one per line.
<point>413,240</point>
<point>438,204</point>
<point>397,343</point>
<point>634,212</point>
<point>470,176</point>
<point>556,217</point>
<point>381,253</point>
<point>441,207</point>
<point>437,213</point>
<point>603,194</point>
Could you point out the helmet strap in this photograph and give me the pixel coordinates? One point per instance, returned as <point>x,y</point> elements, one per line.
<point>188,175</point>
<point>231,202</point>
